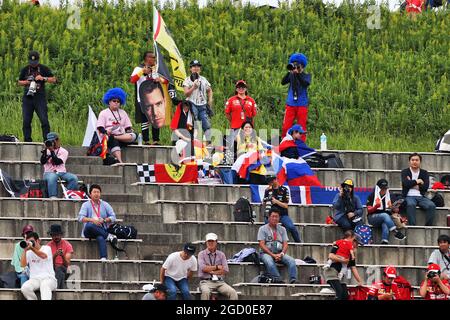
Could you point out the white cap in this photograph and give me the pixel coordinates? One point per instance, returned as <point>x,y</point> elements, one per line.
<point>211,236</point>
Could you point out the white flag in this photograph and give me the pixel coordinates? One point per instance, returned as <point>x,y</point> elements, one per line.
<point>91,128</point>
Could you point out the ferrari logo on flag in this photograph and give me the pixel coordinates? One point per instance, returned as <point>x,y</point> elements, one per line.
<point>175,172</point>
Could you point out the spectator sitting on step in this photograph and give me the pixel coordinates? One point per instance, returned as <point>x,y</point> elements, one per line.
<point>97,215</point>
<point>386,289</point>
<point>441,256</point>
<point>247,140</point>
<point>177,270</point>
<point>22,273</point>
<point>212,267</point>
<point>348,209</point>
<point>415,183</point>
<point>273,242</point>
<point>342,257</point>
<point>379,209</point>
<point>54,158</point>
<point>115,123</point>
<point>62,254</point>
<point>158,292</point>
<point>293,147</point>
<point>433,287</point>
<point>277,196</point>
<point>42,276</point>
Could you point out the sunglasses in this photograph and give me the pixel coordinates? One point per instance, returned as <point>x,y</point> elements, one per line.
<point>115,100</point>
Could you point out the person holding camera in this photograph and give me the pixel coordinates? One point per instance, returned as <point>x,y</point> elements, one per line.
<point>297,99</point>
<point>273,244</point>
<point>379,210</point>
<point>198,91</point>
<point>348,209</point>
<point>62,254</point>
<point>212,268</point>
<point>277,196</point>
<point>441,256</point>
<point>433,287</point>
<point>54,158</point>
<point>97,215</point>
<point>157,292</point>
<point>22,273</point>
<point>386,289</point>
<point>240,108</point>
<point>40,262</point>
<point>115,123</point>
<point>415,183</point>
<point>33,78</point>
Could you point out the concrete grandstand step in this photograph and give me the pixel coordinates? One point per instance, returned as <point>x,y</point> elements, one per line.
<point>20,151</point>
<point>99,170</point>
<point>100,179</point>
<point>84,160</point>
<point>84,248</point>
<point>122,197</point>
<point>223,211</point>
<point>310,233</point>
<point>87,294</point>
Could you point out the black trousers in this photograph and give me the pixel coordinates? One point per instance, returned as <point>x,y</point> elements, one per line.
<point>340,289</point>
<point>30,105</point>
<point>142,118</point>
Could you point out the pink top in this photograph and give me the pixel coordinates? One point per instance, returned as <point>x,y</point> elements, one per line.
<point>117,121</point>
<point>66,248</point>
<point>61,153</point>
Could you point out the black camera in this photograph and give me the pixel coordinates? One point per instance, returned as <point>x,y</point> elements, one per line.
<point>23,244</point>
<point>195,76</point>
<point>432,274</point>
<point>49,143</point>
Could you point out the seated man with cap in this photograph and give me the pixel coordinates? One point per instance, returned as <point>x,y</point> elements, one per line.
<point>386,289</point>
<point>62,254</point>
<point>22,273</point>
<point>54,158</point>
<point>177,270</point>
<point>157,291</point>
<point>212,267</point>
<point>379,212</point>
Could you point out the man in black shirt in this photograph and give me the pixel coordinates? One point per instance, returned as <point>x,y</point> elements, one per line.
<point>33,78</point>
<point>277,196</point>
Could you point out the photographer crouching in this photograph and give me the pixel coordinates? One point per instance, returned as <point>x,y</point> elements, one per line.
<point>33,77</point>
<point>53,159</point>
<point>349,211</point>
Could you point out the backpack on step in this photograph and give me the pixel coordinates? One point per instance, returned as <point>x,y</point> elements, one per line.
<point>123,232</point>
<point>243,211</point>
<point>364,234</point>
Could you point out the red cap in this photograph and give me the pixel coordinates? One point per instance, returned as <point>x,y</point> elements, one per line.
<point>390,272</point>
<point>241,82</point>
<point>434,267</point>
<point>27,228</point>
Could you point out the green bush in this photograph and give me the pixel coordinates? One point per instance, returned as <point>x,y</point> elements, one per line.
<point>372,89</point>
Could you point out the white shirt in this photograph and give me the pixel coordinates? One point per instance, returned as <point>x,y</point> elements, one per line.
<point>199,96</point>
<point>41,268</point>
<point>177,268</point>
<point>413,192</point>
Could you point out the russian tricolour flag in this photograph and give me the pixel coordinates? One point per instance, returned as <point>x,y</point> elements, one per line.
<point>294,172</point>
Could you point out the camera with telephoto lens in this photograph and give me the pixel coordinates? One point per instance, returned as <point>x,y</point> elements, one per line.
<point>49,143</point>
<point>23,244</point>
<point>33,86</point>
<point>195,76</point>
<point>432,274</point>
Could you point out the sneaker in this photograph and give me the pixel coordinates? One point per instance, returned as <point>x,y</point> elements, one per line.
<point>293,281</point>
<point>399,236</point>
<point>103,259</point>
<point>156,143</point>
<point>384,242</point>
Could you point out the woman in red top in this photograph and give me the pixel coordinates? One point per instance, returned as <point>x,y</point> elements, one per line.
<point>240,107</point>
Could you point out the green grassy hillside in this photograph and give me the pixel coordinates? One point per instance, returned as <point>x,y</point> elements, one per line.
<point>385,89</point>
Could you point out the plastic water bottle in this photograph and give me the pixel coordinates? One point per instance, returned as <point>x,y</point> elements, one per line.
<point>323,142</point>
<point>140,139</point>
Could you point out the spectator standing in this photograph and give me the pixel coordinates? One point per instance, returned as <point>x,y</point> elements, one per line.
<point>62,254</point>
<point>379,209</point>
<point>198,91</point>
<point>433,287</point>
<point>273,244</point>
<point>21,272</point>
<point>212,268</point>
<point>54,158</point>
<point>297,100</point>
<point>348,209</point>
<point>177,270</point>
<point>42,276</point>
<point>386,289</point>
<point>240,108</point>
<point>33,78</point>
<point>277,196</point>
<point>182,126</point>
<point>441,256</point>
<point>97,215</point>
<point>415,183</point>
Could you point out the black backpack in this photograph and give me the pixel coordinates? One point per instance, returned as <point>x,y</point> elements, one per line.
<point>334,162</point>
<point>438,200</point>
<point>123,232</point>
<point>445,180</point>
<point>316,161</point>
<point>254,257</point>
<point>8,138</point>
<point>243,211</point>
<point>268,278</point>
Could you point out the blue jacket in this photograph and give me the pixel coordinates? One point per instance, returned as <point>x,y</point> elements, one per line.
<point>338,206</point>
<point>298,88</point>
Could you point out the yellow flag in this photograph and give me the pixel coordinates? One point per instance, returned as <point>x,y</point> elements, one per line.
<point>163,36</point>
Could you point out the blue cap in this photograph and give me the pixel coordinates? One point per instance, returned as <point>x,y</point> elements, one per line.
<point>52,136</point>
<point>296,127</point>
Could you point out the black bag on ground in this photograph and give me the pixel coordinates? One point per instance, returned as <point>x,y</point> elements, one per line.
<point>334,162</point>
<point>254,257</point>
<point>243,211</point>
<point>123,232</point>
<point>8,138</point>
<point>36,189</point>
<point>9,280</point>
<point>438,200</point>
<point>268,278</point>
<point>316,161</point>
